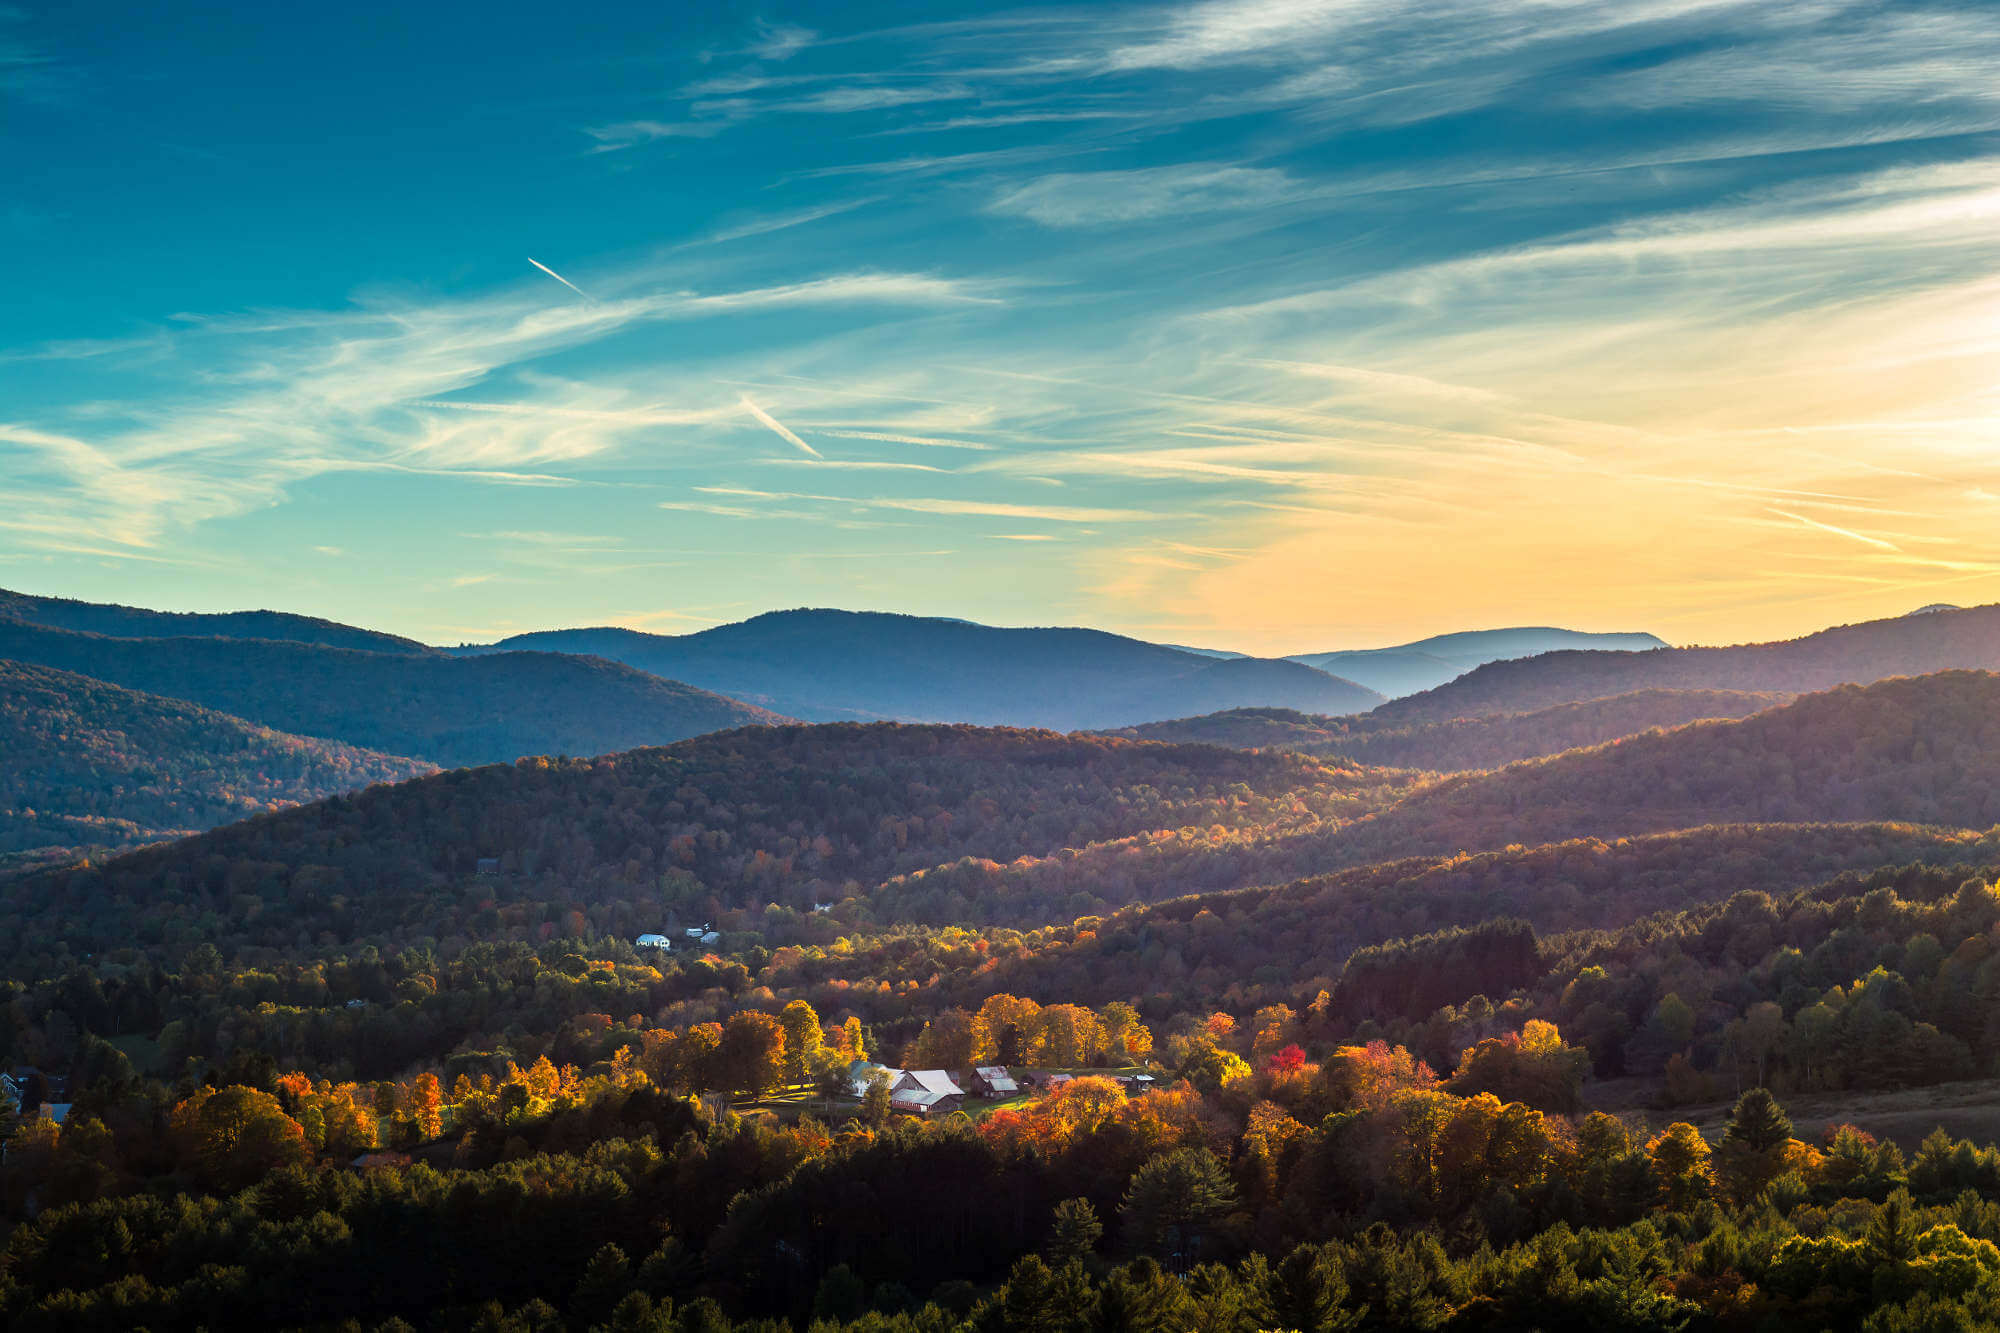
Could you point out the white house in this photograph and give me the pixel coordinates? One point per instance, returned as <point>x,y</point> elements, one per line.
<point>711,937</point>
<point>650,941</point>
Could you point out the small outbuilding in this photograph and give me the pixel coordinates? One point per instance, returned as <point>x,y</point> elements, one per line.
<point>994,1081</point>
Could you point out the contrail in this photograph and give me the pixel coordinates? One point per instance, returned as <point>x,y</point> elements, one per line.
<point>560,278</point>
<point>778,427</point>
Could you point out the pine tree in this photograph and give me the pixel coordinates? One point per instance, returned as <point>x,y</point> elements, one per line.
<point>1174,1201</point>
<point>1307,1290</point>
<point>606,1279</point>
<point>1073,1232</point>
<point>1759,1122</point>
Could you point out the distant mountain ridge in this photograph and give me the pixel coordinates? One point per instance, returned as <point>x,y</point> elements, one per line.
<point>91,765</point>
<point>1913,645</point>
<point>1462,743</point>
<point>826,665</point>
<point>1410,667</point>
<point>448,710</point>
<point>131,622</point>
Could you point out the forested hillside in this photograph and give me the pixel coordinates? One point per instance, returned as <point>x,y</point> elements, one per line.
<point>1462,743</point>
<point>841,665</point>
<point>131,622</point>
<point>1943,640</point>
<point>429,706</point>
<point>1264,944</point>
<point>790,816</point>
<point>1924,749</point>
<point>92,766</point>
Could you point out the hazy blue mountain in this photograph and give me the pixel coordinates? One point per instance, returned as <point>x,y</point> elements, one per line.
<point>131,622</point>
<point>1939,640</point>
<point>448,710</point>
<point>837,665</point>
<point>1461,743</point>
<point>1410,667</point>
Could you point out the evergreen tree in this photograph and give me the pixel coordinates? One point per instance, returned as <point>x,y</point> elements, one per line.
<point>1307,1290</point>
<point>1073,1231</point>
<point>1173,1204</point>
<point>1759,1122</point>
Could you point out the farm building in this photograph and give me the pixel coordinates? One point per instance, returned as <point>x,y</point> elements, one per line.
<point>994,1081</point>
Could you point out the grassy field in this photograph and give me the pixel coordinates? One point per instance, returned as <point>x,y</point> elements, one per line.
<point>1969,1110</point>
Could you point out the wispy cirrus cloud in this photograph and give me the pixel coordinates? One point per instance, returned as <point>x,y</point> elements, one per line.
<point>1101,198</point>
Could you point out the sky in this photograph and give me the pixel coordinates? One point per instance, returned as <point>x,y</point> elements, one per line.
<point>1271,325</point>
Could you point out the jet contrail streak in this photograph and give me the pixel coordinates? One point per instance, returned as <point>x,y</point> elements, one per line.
<point>559,277</point>
<point>778,427</point>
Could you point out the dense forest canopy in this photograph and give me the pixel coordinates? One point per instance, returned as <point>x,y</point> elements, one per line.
<point>1923,749</point>
<point>789,816</point>
<point>96,766</point>
<point>1289,1033</point>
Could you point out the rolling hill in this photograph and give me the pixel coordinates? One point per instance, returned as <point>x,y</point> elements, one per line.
<point>1410,667</point>
<point>95,766</point>
<point>1923,749</point>
<point>131,622</point>
<point>1940,640</point>
<point>1462,743</point>
<point>845,665</point>
<point>432,706</point>
<point>1282,943</point>
<point>792,815</point>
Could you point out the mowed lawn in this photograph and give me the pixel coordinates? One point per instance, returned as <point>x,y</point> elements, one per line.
<point>1968,1110</point>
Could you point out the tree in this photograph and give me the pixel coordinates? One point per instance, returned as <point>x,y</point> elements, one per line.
<point>751,1056</point>
<point>1210,1068</point>
<point>1759,1122</point>
<point>946,1041</point>
<point>1173,1204</point>
<point>804,1039</point>
<point>1004,1029</point>
<point>1307,1290</point>
<point>841,1295</point>
<point>1039,1300</point>
<point>606,1279</point>
<point>427,1104</point>
<point>1680,1158</point>
<point>875,1101</point>
<point>1074,1231</point>
<point>235,1136</point>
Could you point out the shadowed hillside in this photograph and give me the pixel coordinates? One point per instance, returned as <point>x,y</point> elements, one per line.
<point>1265,944</point>
<point>431,706</point>
<point>1941,640</point>
<point>835,665</point>
<point>92,765</point>
<point>1925,749</point>
<point>790,815</point>
<point>1462,743</point>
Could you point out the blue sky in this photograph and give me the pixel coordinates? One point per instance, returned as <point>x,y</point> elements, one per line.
<point>1271,324</point>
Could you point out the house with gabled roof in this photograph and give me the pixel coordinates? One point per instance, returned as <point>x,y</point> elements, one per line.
<point>994,1081</point>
